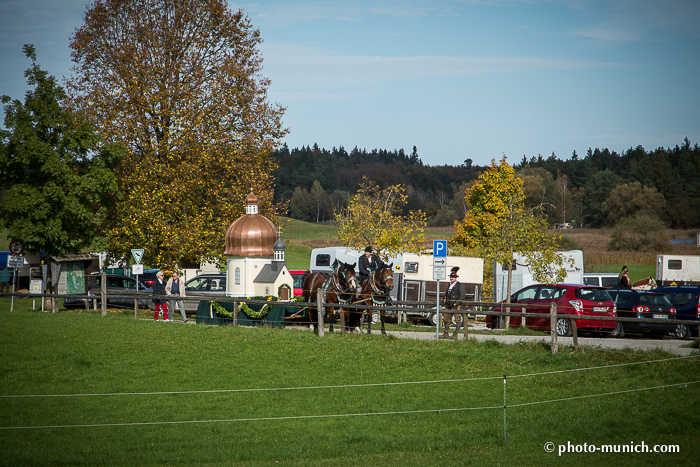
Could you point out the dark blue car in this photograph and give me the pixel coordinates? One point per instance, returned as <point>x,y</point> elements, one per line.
<point>685,301</point>
<point>647,305</point>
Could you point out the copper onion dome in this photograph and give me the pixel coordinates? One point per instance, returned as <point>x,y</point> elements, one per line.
<point>251,234</point>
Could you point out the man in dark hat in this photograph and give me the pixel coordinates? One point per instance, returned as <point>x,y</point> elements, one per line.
<point>453,301</point>
<point>368,264</point>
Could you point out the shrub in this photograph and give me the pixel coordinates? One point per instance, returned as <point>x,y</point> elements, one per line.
<point>643,232</point>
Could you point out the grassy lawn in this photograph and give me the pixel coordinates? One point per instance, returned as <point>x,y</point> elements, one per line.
<point>281,396</point>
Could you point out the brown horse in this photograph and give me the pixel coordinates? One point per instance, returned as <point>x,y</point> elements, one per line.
<point>340,287</point>
<point>377,291</point>
<point>644,284</point>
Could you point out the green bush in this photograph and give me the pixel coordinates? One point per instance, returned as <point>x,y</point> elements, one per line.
<point>643,232</point>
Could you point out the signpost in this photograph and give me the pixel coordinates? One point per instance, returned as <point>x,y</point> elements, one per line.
<point>439,273</point>
<point>15,261</point>
<point>137,253</point>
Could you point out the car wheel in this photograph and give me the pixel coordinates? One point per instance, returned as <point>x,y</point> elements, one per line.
<point>564,327</point>
<point>618,332</point>
<point>682,331</point>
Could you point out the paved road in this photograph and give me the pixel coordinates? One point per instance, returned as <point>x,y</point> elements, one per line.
<point>672,346</point>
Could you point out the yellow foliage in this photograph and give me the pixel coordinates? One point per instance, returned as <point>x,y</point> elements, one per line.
<point>373,217</point>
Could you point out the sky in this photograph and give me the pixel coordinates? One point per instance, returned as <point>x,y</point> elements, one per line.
<point>470,79</point>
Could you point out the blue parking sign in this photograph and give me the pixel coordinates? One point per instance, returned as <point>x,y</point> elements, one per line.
<point>439,248</point>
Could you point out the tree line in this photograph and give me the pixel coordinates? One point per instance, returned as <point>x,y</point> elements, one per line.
<point>596,190</point>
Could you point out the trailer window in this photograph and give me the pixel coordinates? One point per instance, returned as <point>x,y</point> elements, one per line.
<point>675,264</point>
<point>411,267</point>
<point>323,260</point>
<point>590,281</point>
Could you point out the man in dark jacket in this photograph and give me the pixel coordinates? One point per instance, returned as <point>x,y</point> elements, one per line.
<point>368,264</point>
<point>453,301</point>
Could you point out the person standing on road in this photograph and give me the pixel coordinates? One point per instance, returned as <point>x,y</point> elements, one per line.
<point>453,301</point>
<point>175,287</point>
<point>159,289</point>
<point>623,280</point>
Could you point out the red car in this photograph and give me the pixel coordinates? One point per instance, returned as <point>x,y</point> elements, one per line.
<point>298,275</point>
<point>572,299</point>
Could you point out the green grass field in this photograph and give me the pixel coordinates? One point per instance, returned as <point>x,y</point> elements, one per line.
<point>145,393</point>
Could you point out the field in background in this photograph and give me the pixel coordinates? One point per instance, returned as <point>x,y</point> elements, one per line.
<point>174,394</point>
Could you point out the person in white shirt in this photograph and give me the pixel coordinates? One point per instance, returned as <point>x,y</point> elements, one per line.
<point>175,287</point>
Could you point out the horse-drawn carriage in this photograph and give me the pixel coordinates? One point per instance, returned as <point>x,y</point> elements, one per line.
<point>342,287</point>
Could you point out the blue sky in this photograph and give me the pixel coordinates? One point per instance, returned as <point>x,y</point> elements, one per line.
<point>458,79</point>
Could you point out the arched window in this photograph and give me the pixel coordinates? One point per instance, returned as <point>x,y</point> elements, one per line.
<point>237,276</point>
<point>267,291</point>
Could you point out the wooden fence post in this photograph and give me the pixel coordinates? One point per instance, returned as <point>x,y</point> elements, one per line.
<point>103,293</point>
<point>235,313</point>
<point>136,308</point>
<point>342,321</point>
<point>574,332</point>
<point>321,309</point>
<point>553,323</point>
<point>465,323</point>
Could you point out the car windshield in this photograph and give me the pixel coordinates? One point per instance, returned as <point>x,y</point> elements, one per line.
<point>199,283</point>
<point>298,280</point>
<point>654,299</point>
<point>592,294</point>
<point>623,300</point>
<point>682,298</point>
<point>550,293</point>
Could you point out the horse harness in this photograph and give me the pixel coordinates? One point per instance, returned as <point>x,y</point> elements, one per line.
<point>344,294</point>
<point>379,297</point>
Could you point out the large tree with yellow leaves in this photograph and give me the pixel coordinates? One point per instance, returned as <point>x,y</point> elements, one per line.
<point>373,217</point>
<point>178,82</point>
<point>497,225</point>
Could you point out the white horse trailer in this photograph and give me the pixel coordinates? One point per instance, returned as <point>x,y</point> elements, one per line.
<point>677,270</point>
<point>522,276</point>
<point>322,260</point>
<point>419,285</point>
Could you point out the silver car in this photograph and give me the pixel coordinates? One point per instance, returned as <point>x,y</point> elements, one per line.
<point>213,285</point>
<point>117,284</point>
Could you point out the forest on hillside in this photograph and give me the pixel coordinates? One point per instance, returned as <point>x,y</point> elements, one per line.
<point>595,190</point>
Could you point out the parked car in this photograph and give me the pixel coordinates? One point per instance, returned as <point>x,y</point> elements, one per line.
<point>213,285</point>
<point>299,275</point>
<point>572,299</point>
<point>638,304</point>
<point>685,301</point>
<point>116,284</point>
<point>148,277</point>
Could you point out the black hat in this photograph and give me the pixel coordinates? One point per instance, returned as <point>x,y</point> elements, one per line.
<point>454,271</point>
<point>368,249</point>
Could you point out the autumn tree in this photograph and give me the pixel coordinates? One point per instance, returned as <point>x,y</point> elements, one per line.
<point>373,217</point>
<point>57,180</point>
<point>498,225</point>
<point>631,198</point>
<point>178,83</point>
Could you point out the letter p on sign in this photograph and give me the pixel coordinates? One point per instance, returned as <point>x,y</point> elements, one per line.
<point>439,248</point>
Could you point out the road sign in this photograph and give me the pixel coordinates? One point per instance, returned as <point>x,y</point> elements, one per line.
<point>439,273</point>
<point>137,253</point>
<point>16,261</point>
<point>16,247</point>
<point>439,262</point>
<point>137,269</point>
<point>440,248</point>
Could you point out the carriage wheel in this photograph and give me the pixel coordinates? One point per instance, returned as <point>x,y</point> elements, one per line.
<point>375,317</point>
